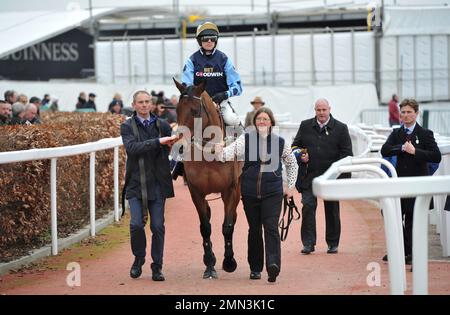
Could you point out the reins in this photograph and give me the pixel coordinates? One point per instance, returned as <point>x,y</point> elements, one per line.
<point>199,144</point>
<point>288,207</point>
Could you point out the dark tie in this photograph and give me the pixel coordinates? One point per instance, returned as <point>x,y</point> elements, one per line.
<point>408,134</point>
<point>146,123</point>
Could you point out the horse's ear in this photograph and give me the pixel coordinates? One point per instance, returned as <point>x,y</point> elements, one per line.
<point>201,87</point>
<point>179,86</point>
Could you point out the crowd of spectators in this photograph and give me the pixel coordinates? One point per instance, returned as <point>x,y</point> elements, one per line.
<point>19,109</point>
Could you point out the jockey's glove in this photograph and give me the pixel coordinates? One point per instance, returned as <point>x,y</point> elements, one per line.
<point>220,97</point>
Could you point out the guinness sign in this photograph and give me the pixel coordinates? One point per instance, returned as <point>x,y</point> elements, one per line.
<point>66,56</point>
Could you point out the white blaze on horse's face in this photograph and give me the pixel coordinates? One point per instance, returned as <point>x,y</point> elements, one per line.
<point>143,105</point>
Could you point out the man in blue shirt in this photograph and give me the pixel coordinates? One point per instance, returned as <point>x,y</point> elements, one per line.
<point>147,142</point>
<point>414,147</point>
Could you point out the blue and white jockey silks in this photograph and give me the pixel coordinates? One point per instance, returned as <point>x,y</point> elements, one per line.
<point>220,75</point>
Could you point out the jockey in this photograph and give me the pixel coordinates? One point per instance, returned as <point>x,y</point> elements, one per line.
<point>210,64</point>
<point>222,80</point>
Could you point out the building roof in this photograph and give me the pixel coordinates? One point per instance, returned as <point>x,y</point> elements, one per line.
<point>417,21</point>
<point>19,30</point>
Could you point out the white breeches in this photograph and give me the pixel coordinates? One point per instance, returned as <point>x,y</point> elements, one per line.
<point>229,116</point>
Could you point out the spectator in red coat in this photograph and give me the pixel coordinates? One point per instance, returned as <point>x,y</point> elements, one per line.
<point>394,113</point>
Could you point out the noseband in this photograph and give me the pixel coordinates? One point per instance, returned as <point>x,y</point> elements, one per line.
<point>201,107</point>
<point>199,143</point>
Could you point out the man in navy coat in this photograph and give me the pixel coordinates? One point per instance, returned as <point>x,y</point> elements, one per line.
<point>147,140</point>
<point>414,147</point>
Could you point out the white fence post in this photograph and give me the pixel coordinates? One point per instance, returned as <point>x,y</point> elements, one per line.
<point>420,245</point>
<point>328,187</point>
<point>392,222</point>
<point>54,212</point>
<point>92,191</point>
<point>394,244</point>
<point>116,183</point>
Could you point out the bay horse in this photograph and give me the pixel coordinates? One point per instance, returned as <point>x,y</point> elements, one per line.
<point>205,177</point>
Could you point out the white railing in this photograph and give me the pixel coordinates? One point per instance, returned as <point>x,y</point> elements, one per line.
<point>361,142</point>
<point>439,217</point>
<point>53,154</point>
<point>377,135</point>
<point>442,217</point>
<point>423,187</point>
<point>367,142</point>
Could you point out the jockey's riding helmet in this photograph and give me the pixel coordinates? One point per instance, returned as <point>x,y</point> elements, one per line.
<point>207,29</point>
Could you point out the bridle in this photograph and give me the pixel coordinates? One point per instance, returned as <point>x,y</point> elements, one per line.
<point>202,105</point>
<point>199,143</point>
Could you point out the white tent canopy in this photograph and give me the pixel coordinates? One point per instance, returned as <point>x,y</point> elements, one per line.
<point>208,7</point>
<point>19,30</point>
<point>417,21</point>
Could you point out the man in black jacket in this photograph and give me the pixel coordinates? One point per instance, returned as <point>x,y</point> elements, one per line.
<point>91,102</point>
<point>323,140</point>
<point>414,147</point>
<point>148,182</point>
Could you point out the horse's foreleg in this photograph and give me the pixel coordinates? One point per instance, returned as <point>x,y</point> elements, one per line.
<point>229,263</point>
<point>231,200</point>
<point>204,213</point>
<point>209,259</point>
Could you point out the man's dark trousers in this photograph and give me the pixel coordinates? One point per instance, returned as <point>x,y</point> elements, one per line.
<point>333,223</point>
<point>137,227</point>
<point>408,213</point>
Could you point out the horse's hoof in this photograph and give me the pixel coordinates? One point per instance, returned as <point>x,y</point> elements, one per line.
<point>210,274</point>
<point>229,264</point>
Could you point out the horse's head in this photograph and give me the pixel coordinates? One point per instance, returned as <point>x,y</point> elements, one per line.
<point>194,103</point>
